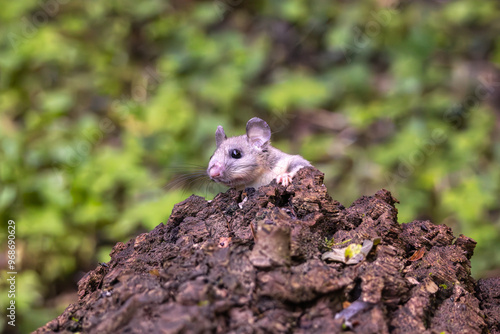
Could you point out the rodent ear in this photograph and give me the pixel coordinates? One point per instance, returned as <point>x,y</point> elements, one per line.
<point>220,136</point>
<point>258,132</point>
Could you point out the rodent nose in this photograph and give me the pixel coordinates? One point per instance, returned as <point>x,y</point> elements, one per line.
<point>214,173</point>
<point>215,170</point>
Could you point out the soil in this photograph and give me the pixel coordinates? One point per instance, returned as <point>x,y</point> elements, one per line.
<point>250,262</point>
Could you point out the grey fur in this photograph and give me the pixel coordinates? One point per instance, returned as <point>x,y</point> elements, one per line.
<point>297,163</point>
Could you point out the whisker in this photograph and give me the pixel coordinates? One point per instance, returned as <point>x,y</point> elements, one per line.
<point>189,168</point>
<point>194,178</point>
<point>186,181</point>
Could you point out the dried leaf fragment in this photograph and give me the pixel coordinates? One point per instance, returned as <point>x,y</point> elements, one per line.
<point>352,254</point>
<point>417,255</point>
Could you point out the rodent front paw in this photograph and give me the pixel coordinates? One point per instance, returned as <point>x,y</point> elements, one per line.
<point>284,179</point>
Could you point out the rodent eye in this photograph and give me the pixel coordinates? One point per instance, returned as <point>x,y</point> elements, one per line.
<point>236,154</point>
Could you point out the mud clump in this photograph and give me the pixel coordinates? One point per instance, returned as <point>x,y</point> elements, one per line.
<point>250,262</point>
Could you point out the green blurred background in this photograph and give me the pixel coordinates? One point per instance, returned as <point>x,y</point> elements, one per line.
<point>102,101</point>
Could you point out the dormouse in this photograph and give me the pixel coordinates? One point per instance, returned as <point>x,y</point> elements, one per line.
<point>249,160</point>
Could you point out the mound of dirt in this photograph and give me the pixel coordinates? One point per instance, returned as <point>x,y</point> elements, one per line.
<point>252,262</point>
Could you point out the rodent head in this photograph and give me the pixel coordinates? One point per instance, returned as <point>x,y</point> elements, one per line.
<point>237,161</point>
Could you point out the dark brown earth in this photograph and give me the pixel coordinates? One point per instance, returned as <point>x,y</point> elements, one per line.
<point>254,266</point>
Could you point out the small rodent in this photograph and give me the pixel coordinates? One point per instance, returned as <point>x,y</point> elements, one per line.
<point>249,160</point>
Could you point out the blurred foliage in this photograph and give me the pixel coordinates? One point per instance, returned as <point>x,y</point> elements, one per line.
<point>101,100</point>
